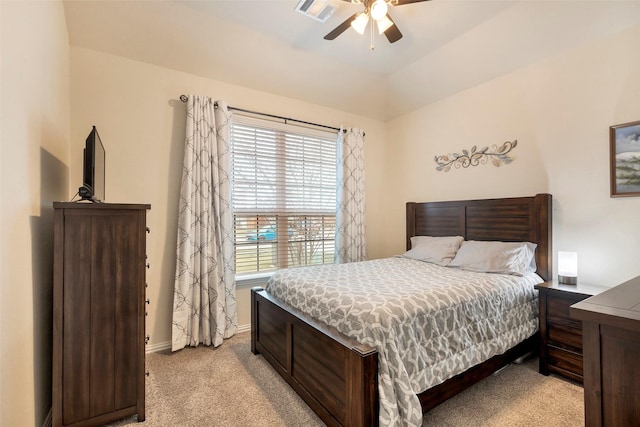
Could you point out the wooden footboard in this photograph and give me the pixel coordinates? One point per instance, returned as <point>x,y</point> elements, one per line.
<point>336,376</point>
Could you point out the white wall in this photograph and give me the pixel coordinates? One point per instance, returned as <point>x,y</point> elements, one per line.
<point>141,122</point>
<point>34,151</point>
<point>560,111</point>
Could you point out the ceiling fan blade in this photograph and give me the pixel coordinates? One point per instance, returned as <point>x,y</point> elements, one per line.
<point>393,33</point>
<point>401,2</point>
<point>340,28</point>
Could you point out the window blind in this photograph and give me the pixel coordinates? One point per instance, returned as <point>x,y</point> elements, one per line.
<point>284,194</point>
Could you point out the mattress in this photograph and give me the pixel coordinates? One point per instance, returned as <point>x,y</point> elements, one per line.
<point>428,323</point>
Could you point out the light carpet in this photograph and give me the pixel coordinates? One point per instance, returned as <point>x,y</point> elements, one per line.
<point>229,386</point>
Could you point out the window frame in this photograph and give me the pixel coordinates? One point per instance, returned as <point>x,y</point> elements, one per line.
<point>283,132</point>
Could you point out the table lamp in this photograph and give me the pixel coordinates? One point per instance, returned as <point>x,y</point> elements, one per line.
<point>568,267</point>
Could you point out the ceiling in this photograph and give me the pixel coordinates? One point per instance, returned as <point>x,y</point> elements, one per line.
<point>448,45</point>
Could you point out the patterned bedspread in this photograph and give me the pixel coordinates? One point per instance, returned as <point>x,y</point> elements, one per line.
<point>427,322</point>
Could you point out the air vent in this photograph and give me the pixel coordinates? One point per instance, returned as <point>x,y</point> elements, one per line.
<point>316,9</point>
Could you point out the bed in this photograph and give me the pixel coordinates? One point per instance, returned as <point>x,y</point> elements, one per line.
<point>337,375</point>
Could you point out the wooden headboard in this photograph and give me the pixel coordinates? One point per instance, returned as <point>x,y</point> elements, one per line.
<point>516,219</point>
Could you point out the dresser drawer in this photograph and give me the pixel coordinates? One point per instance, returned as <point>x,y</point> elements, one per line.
<point>565,337</point>
<point>565,360</point>
<point>558,311</point>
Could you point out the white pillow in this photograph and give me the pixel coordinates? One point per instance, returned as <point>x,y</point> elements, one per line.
<point>517,258</point>
<point>437,250</point>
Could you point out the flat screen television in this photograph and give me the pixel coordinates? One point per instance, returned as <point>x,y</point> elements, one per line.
<point>94,169</point>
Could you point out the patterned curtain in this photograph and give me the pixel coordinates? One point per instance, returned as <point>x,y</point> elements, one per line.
<point>204,299</point>
<point>351,239</point>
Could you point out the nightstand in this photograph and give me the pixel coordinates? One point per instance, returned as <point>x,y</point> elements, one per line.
<point>560,335</point>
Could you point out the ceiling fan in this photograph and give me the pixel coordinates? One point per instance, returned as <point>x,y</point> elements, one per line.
<point>376,10</point>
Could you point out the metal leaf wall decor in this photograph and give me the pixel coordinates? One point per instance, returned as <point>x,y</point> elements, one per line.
<point>475,156</point>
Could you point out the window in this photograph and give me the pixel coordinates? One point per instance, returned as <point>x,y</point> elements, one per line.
<point>284,195</point>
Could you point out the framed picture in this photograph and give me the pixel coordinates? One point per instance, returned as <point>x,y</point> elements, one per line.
<point>624,152</point>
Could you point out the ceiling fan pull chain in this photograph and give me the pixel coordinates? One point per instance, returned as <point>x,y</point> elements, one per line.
<point>372,46</point>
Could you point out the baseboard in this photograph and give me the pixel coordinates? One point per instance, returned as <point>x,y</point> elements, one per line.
<point>154,348</point>
<point>48,421</point>
<point>244,328</point>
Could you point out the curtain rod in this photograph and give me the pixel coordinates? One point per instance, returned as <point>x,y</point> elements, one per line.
<point>185,98</point>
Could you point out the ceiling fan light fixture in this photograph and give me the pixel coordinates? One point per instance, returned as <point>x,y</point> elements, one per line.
<point>379,9</point>
<point>384,24</point>
<point>360,23</point>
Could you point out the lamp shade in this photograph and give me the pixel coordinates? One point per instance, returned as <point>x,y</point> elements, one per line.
<point>384,24</point>
<point>360,23</point>
<point>568,267</point>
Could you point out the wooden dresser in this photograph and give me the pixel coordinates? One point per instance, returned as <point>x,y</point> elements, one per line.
<point>611,330</point>
<point>98,313</point>
<point>560,335</point>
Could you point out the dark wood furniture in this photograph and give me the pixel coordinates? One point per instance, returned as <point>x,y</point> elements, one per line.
<point>336,376</point>
<point>560,335</point>
<point>98,313</point>
<point>611,342</point>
